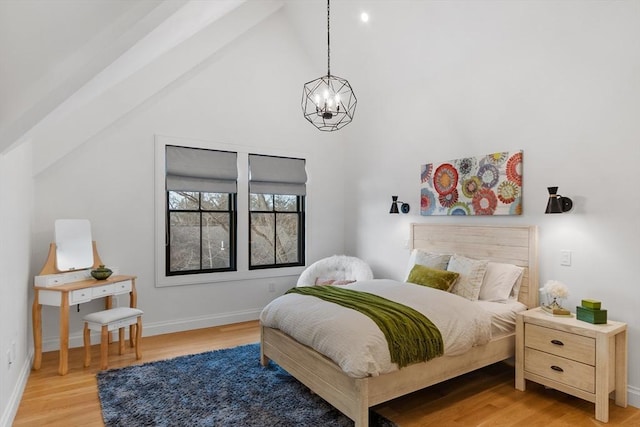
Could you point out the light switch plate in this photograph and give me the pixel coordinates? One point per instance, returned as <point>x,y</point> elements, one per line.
<point>565,257</point>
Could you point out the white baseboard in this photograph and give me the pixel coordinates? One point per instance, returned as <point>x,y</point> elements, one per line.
<point>6,418</point>
<point>633,396</point>
<point>167,327</point>
<point>200,322</point>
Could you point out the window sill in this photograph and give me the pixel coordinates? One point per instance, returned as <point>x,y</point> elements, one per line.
<point>163,281</point>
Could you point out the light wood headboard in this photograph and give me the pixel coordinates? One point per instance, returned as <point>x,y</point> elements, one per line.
<point>509,244</point>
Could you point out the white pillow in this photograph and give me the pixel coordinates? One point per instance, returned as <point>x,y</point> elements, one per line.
<point>516,287</point>
<point>471,274</point>
<point>499,281</point>
<point>428,259</point>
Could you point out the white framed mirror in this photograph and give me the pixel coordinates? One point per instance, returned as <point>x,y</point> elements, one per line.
<point>74,247</point>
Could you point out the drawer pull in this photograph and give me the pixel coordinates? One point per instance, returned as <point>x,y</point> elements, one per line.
<point>557,342</point>
<point>557,368</point>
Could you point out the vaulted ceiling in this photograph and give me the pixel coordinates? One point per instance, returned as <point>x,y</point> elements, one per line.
<point>60,55</point>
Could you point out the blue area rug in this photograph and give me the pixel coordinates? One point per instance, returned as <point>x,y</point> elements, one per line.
<point>218,388</point>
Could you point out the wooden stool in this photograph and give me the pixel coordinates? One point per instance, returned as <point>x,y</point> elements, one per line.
<point>106,321</point>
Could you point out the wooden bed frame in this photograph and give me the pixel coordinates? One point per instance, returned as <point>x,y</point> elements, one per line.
<point>354,396</point>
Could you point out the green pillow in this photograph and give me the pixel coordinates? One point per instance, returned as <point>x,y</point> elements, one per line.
<point>439,279</point>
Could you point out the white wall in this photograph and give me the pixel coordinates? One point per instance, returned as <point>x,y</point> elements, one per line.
<point>244,96</point>
<point>16,207</point>
<point>556,79</point>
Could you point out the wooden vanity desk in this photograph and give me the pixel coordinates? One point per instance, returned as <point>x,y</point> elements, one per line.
<point>68,294</point>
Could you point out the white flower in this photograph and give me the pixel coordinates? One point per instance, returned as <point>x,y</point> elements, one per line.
<point>556,289</point>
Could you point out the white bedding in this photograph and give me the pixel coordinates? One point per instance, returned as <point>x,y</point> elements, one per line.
<point>356,344</point>
<point>503,315</point>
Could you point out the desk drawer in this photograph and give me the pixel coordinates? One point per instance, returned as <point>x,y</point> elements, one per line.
<point>565,371</point>
<point>122,287</point>
<point>102,291</point>
<point>80,296</point>
<point>560,343</point>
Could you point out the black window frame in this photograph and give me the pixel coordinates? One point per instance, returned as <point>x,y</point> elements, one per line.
<point>300,211</point>
<point>233,221</point>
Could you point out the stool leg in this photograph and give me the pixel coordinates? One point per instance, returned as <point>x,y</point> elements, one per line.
<point>132,335</point>
<point>104,347</point>
<point>121,341</point>
<point>87,345</point>
<point>138,338</point>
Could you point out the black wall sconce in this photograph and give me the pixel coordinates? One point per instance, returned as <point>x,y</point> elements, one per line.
<point>404,207</point>
<point>557,203</point>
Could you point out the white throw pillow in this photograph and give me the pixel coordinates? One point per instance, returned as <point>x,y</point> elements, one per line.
<point>499,281</point>
<point>471,274</point>
<point>428,259</point>
<point>516,287</point>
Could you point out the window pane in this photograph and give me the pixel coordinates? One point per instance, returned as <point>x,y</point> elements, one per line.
<point>184,241</point>
<point>262,235</point>
<point>215,201</point>
<point>215,240</point>
<point>261,202</point>
<point>286,203</point>
<point>183,200</point>
<point>287,238</point>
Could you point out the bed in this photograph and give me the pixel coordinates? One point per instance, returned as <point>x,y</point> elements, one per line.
<point>353,396</point>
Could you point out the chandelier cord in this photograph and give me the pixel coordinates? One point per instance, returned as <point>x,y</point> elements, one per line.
<point>328,43</point>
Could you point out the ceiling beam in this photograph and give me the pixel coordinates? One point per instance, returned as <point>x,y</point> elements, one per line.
<point>55,138</point>
<point>83,65</point>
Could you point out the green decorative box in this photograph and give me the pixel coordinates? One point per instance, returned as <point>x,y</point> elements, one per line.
<point>591,303</point>
<point>591,316</point>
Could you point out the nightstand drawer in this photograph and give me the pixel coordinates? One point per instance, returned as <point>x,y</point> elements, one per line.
<point>565,371</point>
<point>560,343</point>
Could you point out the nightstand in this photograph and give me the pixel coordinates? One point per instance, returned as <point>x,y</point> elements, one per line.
<point>585,360</point>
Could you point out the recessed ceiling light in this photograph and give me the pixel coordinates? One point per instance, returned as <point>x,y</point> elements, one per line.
<point>364,17</point>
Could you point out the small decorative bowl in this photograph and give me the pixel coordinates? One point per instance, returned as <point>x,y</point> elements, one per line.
<point>101,273</point>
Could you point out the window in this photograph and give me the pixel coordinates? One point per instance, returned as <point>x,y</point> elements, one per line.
<point>201,232</point>
<point>223,214</point>
<point>201,188</point>
<point>276,218</point>
<point>276,225</point>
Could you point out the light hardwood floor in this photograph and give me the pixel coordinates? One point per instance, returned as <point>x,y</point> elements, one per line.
<point>483,398</point>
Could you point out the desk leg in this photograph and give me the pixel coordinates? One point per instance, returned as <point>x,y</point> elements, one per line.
<point>63,366</point>
<point>133,301</point>
<point>36,314</point>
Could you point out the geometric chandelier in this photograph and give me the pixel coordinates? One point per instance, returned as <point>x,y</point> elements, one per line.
<point>328,102</point>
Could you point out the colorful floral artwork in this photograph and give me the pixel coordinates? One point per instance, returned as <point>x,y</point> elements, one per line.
<point>485,185</point>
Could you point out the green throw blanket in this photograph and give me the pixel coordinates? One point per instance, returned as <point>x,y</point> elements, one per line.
<point>411,337</point>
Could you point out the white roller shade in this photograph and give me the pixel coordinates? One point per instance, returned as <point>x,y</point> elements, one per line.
<point>196,169</point>
<point>277,175</point>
